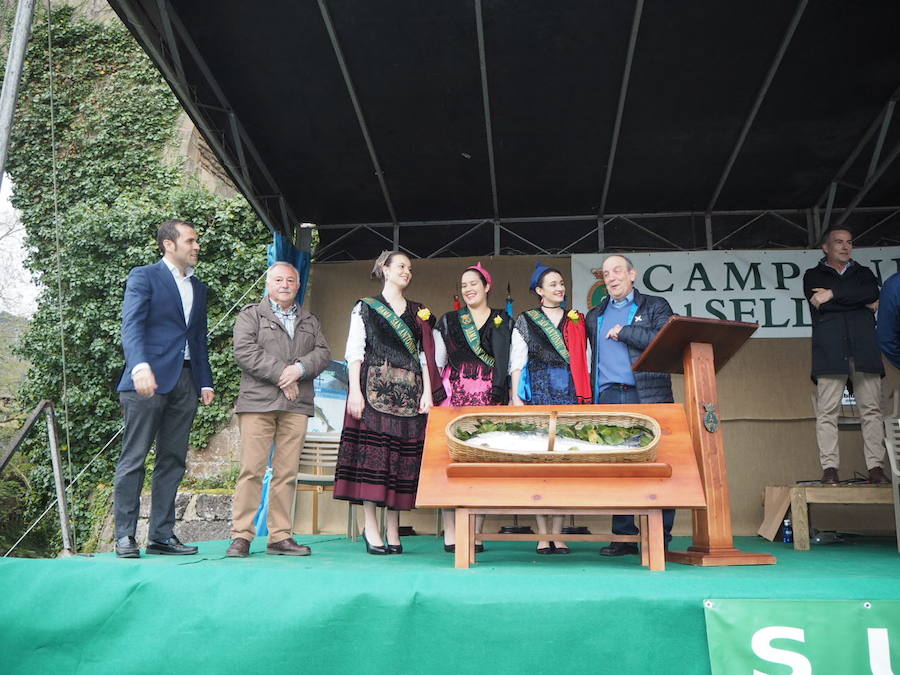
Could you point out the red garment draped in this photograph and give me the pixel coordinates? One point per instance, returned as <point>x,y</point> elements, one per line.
<point>575,337</point>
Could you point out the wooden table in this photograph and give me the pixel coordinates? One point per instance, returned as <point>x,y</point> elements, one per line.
<point>651,537</point>
<point>804,495</point>
<point>559,489</point>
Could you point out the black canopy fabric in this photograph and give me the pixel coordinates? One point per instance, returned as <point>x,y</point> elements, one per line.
<point>466,127</point>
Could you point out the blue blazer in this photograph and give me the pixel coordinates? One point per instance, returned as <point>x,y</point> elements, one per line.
<point>153,329</point>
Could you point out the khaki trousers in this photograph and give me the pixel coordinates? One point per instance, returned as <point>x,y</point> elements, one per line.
<point>258,431</point>
<point>867,389</point>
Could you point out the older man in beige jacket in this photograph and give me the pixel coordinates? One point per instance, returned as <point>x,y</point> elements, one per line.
<point>280,349</point>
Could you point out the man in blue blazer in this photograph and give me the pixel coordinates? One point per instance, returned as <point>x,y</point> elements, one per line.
<point>166,371</point>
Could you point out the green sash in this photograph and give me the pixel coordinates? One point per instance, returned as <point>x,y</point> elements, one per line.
<point>467,322</point>
<point>552,332</point>
<point>399,326</point>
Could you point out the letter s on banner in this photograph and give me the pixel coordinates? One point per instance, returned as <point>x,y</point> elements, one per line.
<point>762,647</point>
<point>879,651</point>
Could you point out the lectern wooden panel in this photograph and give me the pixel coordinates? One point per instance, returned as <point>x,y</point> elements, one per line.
<point>699,348</point>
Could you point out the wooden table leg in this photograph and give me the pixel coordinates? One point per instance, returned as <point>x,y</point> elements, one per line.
<point>800,518</point>
<point>471,538</point>
<point>643,523</point>
<point>656,535</point>
<point>463,539</point>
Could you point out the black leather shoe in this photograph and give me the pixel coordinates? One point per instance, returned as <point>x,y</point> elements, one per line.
<point>395,548</point>
<point>546,550</point>
<point>561,550</point>
<point>830,477</point>
<point>877,477</point>
<point>126,547</point>
<point>374,550</point>
<point>618,548</point>
<point>170,546</point>
<point>449,548</point>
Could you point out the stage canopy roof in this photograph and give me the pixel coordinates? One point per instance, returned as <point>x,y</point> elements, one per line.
<point>471,127</point>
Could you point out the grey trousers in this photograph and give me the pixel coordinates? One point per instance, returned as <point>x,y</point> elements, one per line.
<point>166,419</point>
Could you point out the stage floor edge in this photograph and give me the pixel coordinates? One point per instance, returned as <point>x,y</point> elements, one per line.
<point>341,610</point>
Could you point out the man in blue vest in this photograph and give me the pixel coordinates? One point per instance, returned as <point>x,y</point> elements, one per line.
<point>166,371</point>
<point>619,330</point>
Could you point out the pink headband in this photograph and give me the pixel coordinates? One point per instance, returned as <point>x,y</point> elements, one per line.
<point>478,268</point>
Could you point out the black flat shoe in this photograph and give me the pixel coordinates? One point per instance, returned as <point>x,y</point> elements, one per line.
<point>374,550</point>
<point>449,548</point>
<point>546,550</point>
<point>395,548</point>
<point>126,547</point>
<point>561,550</point>
<point>170,546</point>
<point>479,548</point>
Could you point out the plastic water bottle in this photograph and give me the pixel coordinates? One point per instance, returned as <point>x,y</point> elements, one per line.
<point>787,532</point>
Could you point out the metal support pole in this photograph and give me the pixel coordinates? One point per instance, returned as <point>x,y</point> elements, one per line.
<point>486,104</point>
<point>620,109</point>
<point>496,237</point>
<point>760,96</point>
<point>15,59</point>
<point>810,229</point>
<point>601,235</point>
<point>882,134</point>
<point>707,221</point>
<point>68,548</point>
<point>832,191</point>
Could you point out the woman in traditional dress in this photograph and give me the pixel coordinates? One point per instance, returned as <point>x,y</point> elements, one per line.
<point>548,363</point>
<point>472,349</point>
<point>390,356</point>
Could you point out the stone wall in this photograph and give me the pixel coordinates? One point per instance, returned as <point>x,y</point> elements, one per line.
<point>199,516</point>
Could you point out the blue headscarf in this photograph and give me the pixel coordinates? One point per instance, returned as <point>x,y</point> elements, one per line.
<point>539,269</point>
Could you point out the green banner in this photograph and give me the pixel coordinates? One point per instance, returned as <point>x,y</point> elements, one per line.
<point>802,637</point>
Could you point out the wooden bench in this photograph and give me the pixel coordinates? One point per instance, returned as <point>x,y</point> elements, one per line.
<point>804,495</point>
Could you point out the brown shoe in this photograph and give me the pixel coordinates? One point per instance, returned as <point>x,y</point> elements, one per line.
<point>287,547</point>
<point>830,477</point>
<point>877,477</point>
<point>240,548</point>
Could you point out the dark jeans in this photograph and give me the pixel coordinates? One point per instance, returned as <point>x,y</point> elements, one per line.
<point>615,395</point>
<point>166,419</point>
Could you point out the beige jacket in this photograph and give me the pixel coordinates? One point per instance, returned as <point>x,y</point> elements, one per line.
<point>262,349</point>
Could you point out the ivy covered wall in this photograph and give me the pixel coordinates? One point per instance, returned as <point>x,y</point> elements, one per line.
<point>113,117</point>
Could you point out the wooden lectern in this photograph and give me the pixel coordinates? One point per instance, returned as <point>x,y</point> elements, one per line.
<point>699,348</point>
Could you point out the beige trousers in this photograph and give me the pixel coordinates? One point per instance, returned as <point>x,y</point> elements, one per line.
<point>867,389</point>
<point>258,431</point>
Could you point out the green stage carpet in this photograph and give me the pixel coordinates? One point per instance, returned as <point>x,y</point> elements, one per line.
<point>342,611</point>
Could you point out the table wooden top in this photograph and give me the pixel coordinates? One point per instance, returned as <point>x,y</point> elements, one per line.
<point>682,490</point>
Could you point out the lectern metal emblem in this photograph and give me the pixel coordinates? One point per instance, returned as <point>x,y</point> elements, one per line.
<point>710,419</point>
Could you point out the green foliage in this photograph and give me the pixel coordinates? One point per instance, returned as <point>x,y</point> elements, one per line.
<point>113,118</point>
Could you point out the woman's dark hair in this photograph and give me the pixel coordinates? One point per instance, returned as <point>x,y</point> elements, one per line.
<point>480,275</point>
<point>385,259</point>
<point>543,275</point>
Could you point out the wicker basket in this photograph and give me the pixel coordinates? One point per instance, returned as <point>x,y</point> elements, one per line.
<point>466,451</point>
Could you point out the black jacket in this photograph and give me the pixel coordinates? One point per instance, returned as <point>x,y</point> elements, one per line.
<point>843,328</point>
<point>652,313</point>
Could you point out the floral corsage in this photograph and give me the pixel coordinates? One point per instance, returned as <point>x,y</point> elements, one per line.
<point>424,314</point>
<point>573,315</point>
<point>498,320</point>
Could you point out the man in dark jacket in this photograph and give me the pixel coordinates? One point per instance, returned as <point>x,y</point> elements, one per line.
<point>280,349</point>
<point>619,330</point>
<point>843,298</point>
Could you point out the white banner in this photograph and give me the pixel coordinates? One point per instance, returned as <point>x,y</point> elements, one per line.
<point>765,287</point>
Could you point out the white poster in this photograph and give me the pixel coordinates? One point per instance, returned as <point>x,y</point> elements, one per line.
<point>765,287</point>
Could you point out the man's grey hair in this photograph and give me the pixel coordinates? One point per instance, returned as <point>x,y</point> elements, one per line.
<point>281,264</point>
<point>628,263</point>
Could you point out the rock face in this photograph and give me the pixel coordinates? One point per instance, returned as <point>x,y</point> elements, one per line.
<point>199,516</point>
